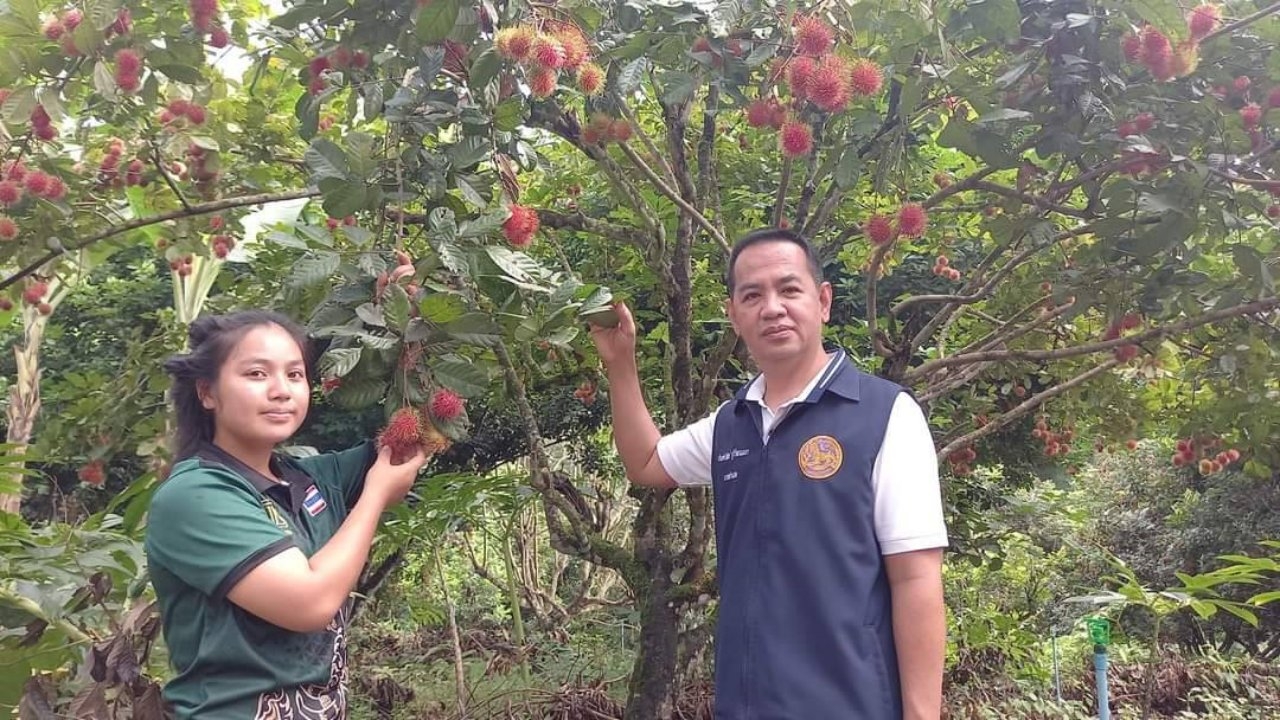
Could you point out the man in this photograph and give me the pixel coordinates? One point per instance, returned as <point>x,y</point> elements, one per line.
<point>829,524</point>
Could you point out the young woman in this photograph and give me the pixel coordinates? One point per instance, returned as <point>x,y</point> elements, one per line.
<point>254,554</point>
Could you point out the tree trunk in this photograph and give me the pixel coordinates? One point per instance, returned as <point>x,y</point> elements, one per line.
<point>654,670</point>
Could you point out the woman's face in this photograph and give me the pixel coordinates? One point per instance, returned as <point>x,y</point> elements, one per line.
<point>261,395</point>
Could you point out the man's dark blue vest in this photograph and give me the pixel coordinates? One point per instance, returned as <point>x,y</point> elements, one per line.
<point>805,626</point>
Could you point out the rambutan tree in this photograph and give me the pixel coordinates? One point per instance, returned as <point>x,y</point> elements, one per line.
<point>1059,213</point>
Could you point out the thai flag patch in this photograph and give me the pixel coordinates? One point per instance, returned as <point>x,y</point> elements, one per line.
<point>314,502</point>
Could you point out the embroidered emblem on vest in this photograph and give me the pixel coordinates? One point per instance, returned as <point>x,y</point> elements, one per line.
<point>820,457</point>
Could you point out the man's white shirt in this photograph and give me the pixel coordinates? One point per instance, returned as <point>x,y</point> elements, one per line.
<point>908,504</point>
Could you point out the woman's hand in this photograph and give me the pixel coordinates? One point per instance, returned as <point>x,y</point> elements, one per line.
<point>390,483</point>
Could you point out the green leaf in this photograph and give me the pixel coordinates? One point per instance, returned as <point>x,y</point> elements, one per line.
<point>465,377</point>
<point>396,307</point>
<point>325,160</point>
<point>485,68</point>
<point>453,257</point>
<point>508,115</point>
<point>182,73</point>
<point>361,155</point>
<point>1253,266</point>
<point>436,20</point>
<point>475,328</point>
<point>313,269</point>
<point>994,19</point>
<point>485,224</point>
<point>1265,598</point>
<point>442,308</point>
<point>468,152</point>
<point>104,82</point>
<point>357,395</point>
<point>849,169</point>
<point>337,362</point>
<point>1002,114</point>
<point>631,74</point>
<point>678,87</point>
<point>342,198</point>
<point>371,314</point>
<point>378,342</point>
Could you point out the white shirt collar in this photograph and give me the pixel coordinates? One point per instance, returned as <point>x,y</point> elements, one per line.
<point>755,393</point>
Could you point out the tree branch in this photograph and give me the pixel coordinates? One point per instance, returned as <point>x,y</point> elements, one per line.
<point>1027,406</point>
<point>780,200</point>
<point>1249,308</point>
<point>193,211</point>
<point>1032,200</point>
<point>666,189</point>
<point>1242,22</point>
<point>601,228</point>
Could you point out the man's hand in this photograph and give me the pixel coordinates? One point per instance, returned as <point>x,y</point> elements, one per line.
<point>616,345</point>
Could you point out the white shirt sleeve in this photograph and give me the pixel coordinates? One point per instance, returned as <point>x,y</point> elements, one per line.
<point>908,496</point>
<point>686,453</point>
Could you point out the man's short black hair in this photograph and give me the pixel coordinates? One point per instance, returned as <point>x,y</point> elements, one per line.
<point>772,234</point>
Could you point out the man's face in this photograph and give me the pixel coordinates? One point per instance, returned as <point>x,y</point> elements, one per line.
<point>777,307</point>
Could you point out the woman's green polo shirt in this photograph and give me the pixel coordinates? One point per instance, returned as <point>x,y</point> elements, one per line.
<point>213,521</point>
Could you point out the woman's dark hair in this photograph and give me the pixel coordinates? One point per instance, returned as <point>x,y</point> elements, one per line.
<point>211,339</point>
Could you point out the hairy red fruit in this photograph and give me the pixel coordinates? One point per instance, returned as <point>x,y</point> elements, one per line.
<point>1131,46</point>
<point>865,78</point>
<point>53,28</point>
<point>1130,321</point>
<point>217,222</point>
<point>57,189</point>
<point>520,228</point>
<point>219,37</point>
<point>574,45</point>
<point>8,228</point>
<point>879,230</point>
<point>701,45</point>
<point>515,43</point>
<point>72,18</point>
<point>1241,83</point>
<point>446,405</point>
<point>220,250</point>
<point>547,52</point>
<point>912,220</point>
<point>133,173</point>
<point>795,139</point>
<point>1206,466</point>
<point>128,61</point>
<point>760,113</point>
<point>942,261</point>
<point>316,85</point>
<point>1273,97</point>
<point>620,131</point>
<point>341,58</point>
<point>591,79</point>
<point>799,72</point>
<point>1251,116</point>
<point>34,293</point>
<point>1126,128</point>
<point>1233,455</point>
<point>123,23</point>
<point>402,434</point>
<point>318,65</point>
<point>332,223</point>
<point>349,221</point>
<point>329,384</point>
<point>813,36</point>
<point>542,82</point>
<point>1131,444</point>
<point>10,193</point>
<point>1143,122</point>
<point>829,86</point>
<point>92,474</point>
<point>1203,20</point>
<point>1273,211</point>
